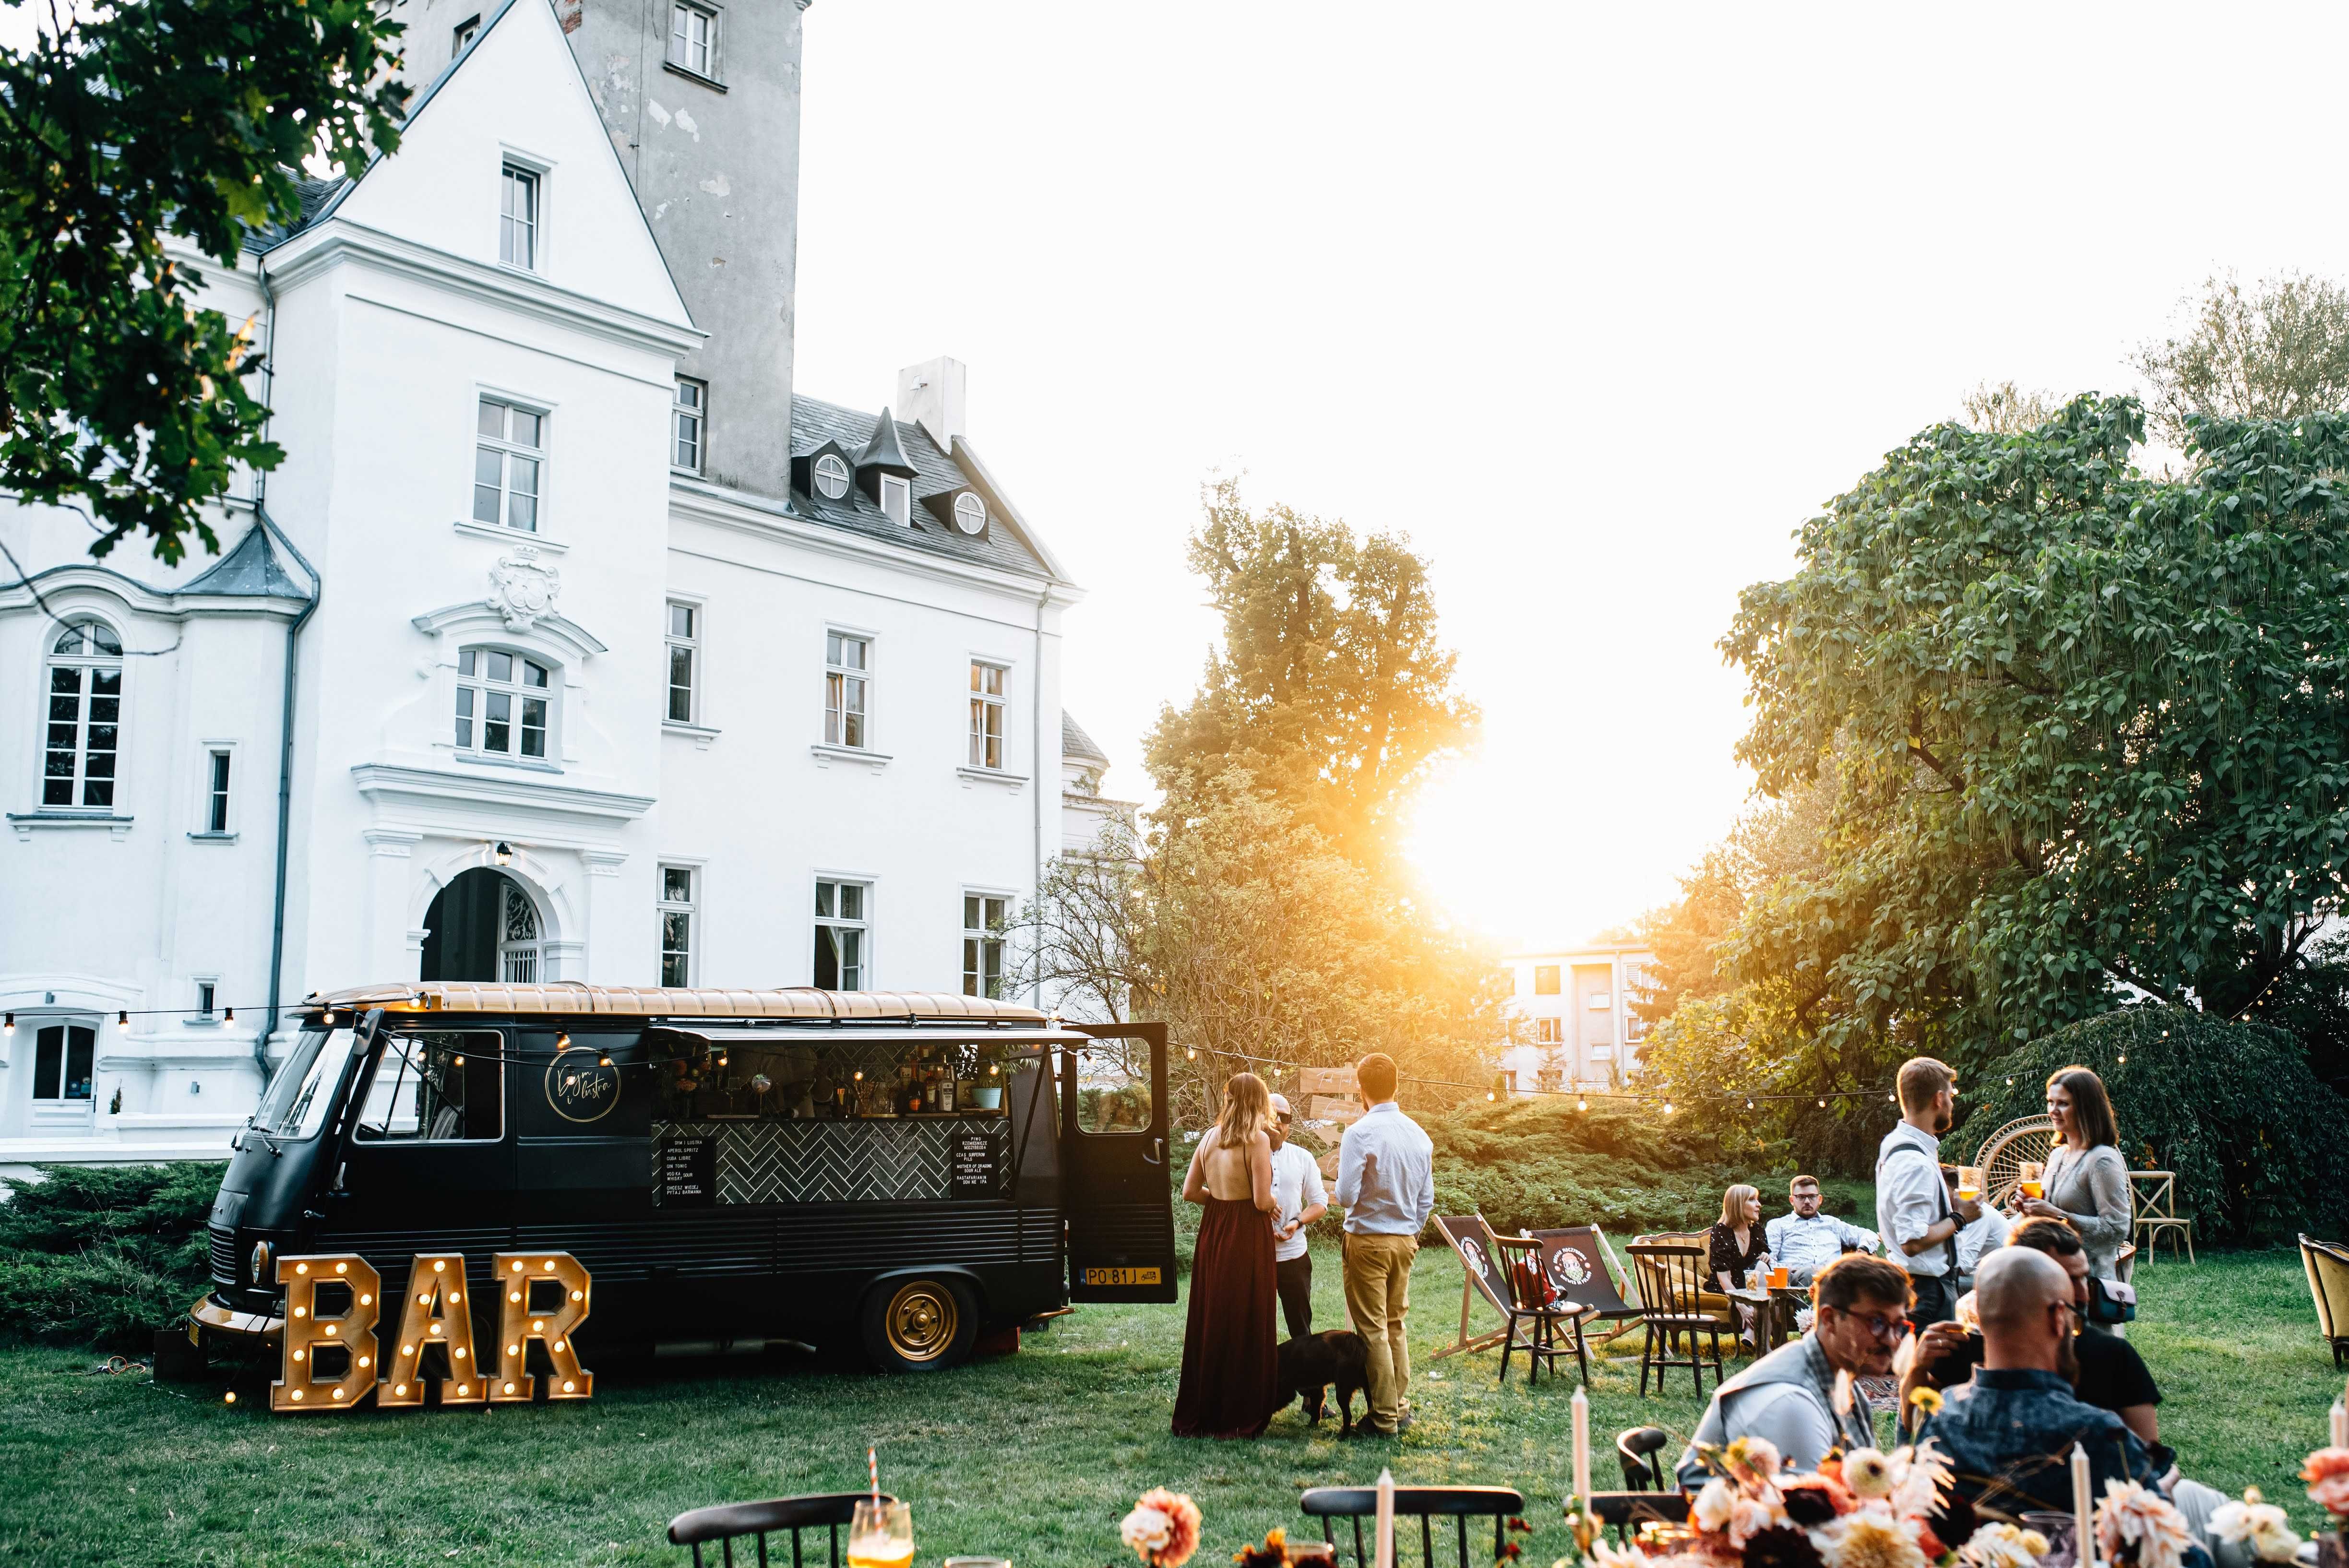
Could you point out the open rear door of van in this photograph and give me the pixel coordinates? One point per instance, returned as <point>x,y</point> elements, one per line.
<point>1118,1196</point>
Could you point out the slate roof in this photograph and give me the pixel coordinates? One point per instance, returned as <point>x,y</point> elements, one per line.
<point>1076,742</point>
<point>936,473</point>
<point>316,195</point>
<point>250,570</point>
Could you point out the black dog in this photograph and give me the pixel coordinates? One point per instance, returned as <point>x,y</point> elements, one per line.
<point>1307,1367</point>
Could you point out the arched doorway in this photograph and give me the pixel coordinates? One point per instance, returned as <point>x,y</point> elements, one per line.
<point>482,926</point>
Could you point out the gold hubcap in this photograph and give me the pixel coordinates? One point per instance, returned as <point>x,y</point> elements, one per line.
<point>921,1320</point>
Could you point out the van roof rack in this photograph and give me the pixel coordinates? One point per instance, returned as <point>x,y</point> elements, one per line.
<point>575,997</point>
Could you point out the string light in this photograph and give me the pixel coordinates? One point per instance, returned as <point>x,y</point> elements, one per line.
<point>1580,1103</point>
<point>228,1015</point>
<point>562,1039</point>
<point>122,1019</point>
<point>10,1027</point>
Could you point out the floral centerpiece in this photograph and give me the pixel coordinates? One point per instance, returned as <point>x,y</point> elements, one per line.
<point>1861,1510</point>
<point>1163,1530</point>
<point>2327,1472</point>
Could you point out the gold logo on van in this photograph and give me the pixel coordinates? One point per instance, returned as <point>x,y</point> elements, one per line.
<point>582,1086</point>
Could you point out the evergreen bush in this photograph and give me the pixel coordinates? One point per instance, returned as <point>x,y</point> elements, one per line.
<point>104,1256</point>
<point>2259,1147</point>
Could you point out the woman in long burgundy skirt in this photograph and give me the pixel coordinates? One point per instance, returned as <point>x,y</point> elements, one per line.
<point>1228,1376</point>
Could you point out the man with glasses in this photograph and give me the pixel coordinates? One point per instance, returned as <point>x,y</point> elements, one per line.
<point>1789,1397</point>
<point>1806,1240</point>
<point>1297,1201</point>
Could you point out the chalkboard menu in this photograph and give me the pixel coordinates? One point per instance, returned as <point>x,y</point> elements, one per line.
<point>974,1163</point>
<point>686,1174</point>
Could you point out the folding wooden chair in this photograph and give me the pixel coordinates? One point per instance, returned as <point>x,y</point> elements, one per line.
<point>1424,1503</point>
<point>2155,1192</point>
<point>1670,1304</point>
<point>1582,1265</point>
<point>1471,1240</point>
<point>1542,1310</point>
<point>729,1523</point>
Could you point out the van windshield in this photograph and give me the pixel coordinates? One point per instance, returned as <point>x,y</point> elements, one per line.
<point>295,1105</point>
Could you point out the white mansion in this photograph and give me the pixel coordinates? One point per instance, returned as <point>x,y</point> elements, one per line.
<point>566,644</point>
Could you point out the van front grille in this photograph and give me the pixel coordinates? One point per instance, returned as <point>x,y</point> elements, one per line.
<point>223,1249</point>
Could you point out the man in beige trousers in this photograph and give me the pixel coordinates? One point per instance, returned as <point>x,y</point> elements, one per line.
<point>1386,1184</point>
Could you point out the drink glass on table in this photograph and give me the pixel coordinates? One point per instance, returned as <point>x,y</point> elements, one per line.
<point>1778,1276</point>
<point>881,1535</point>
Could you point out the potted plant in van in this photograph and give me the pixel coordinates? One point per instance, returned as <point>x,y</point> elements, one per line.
<point>995,1066</point>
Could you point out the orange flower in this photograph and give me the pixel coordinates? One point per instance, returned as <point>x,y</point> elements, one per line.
<point>2327,1473</point>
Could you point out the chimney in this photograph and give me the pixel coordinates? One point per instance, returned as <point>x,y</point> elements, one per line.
<point>931,396</point>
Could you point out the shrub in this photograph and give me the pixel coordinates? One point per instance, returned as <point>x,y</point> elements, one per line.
<point>2254,1139</point>
<point>104,1256</point>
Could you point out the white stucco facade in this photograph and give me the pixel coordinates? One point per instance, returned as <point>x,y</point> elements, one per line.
<point>651,835</point>
<point>1570,1019</point>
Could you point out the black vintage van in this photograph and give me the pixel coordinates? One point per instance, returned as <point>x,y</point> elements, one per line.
<point>732,1167</point>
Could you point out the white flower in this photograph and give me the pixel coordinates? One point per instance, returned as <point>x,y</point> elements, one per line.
<point>1760,1454</point>
<point>1146,1529</point>
<point>1713,1505</point>
<point>1999,1545</point>
<point>1905,1357</point>
<point>1920,1478</point>
<point>2142,1520</point>
<point>1867,1473</point>
<point>1842,1397</point>
<point>2265,1526</point>
<point>1803,1317</point>
<point>1869,1538</point>
<point>1750,1516</point>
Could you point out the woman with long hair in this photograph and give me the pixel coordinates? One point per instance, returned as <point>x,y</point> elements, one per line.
<point>1736,1245</point>
<point>1228,1346</point>
<point>2086,1179</point>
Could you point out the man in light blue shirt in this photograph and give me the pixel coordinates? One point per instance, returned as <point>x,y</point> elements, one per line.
<point>1807,1241</point>
<point>1386,1184</point>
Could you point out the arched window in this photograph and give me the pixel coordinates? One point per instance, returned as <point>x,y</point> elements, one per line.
<point>85,723</point>
<point>503,703</point>
<point>517,937</point>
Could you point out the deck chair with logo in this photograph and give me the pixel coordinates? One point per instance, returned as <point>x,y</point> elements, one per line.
<point>1583,1267</point>
<point>1471,1240</point>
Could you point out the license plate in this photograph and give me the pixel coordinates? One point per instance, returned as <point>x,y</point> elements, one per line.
<point>1121,1276</point>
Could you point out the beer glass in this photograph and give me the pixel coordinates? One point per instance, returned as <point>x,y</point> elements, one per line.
<point>2031,1186</point>
<point>1970,1183</point>
<point>881,1535</point>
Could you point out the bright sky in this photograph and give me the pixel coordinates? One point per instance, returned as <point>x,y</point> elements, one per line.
<point>1598,305</point>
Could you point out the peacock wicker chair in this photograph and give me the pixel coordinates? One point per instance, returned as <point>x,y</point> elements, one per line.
<point>2002,1155</point>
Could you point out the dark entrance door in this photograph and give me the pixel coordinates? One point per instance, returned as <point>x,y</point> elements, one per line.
<point>464,927</point>
<point>1119,1204</point>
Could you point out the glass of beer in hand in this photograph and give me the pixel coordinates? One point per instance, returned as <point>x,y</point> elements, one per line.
<point>1970,1182</point>
<point>2031,1186</point>
<point>881,1535</point>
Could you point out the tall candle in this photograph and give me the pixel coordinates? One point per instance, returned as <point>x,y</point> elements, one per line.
<point>1386,1518</point>
<point>2083,1525</point>
<point>1582,1444</point>
<point>2341,1423</point>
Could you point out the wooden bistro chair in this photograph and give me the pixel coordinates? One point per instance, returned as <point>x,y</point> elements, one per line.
<point>1471,1240</point>
<point>2327,1263</point>
<point>1671,1304</point>
<point>1625,1511</point>
<point>1582,1265</point>
<point>1426,1503</point>
<point>1641,1449</point>
<point>729,1523</point>
<point>2155,1192</point>
<point>1548,1315</point>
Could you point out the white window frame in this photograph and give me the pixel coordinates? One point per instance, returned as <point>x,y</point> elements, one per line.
<point>977,939</point>
<point>1547,1032</point>
<point>897,499</point>
<point>462,36</point>
<point>697,414</point>
<point>969,507</point>
<point>839,676</point>
<point>522,959</point>
<point>861,922</point>
<point>842,471</point>
<point>986,705</point>
<point>677,50</point>
<point>65,1023</point>
<point>207,754</point>
<point>207,998</point>
<point>690,907</point>
<point>508,449</point>
<point>690,643</point>
<point>530,175</point>
<point>91,664</point>
<point>472,742</point>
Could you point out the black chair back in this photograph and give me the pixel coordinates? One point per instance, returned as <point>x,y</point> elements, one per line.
<point>1424,1503</point>
<point>731,1522</point>
<point>1625,1511</point>
<point>1472,1238</point>
<point>1671,1276</point>
<point>1642,1449</point>
<point>1577,1264</point>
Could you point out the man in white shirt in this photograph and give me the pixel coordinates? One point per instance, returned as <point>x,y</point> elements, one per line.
<point>1807,1241</point>
<point>1918,1218</point>
<point>1386,1184</point>
<point>1297,1201</point>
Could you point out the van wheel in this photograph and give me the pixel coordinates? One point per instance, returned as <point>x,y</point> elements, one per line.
<point>919,1325</point>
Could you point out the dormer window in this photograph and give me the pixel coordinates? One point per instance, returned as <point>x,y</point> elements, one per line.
<point>970,514</point>
<point>461,37</point>
<point>831,476</point>
<point>897,499</point>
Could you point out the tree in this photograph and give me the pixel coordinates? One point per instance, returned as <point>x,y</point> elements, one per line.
<point>1331,688</point>
<point>1251,936</point>
<point>2085,733</point>
<point>126,125</point>
<point>2277,350</point>
<point>2007,409</point>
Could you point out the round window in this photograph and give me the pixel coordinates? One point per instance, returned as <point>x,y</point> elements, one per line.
<point>970,513</point>
<point>831,476</point>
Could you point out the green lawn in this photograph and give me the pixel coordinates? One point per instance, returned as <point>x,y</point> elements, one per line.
<point>1034,1456</point>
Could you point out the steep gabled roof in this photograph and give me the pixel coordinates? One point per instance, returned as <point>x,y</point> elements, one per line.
<point>1076,742</point>
<point>249,570</point>
<point>885,451</point>
<point>934,471</point>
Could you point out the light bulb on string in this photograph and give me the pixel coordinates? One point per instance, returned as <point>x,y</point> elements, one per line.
<point>1823,1105</point>
<point>10,1026</point>
<point>228,1015</point>
<point>122,1019</point>
<point>1580,1103</point>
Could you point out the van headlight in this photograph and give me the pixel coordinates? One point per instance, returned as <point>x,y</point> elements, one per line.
<point>261,1256</point>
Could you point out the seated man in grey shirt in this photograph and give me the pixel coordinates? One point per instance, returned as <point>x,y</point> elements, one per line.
<point>1789,1395</point>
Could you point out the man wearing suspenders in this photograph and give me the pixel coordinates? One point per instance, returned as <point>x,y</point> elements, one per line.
<point>1914,1212</point>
